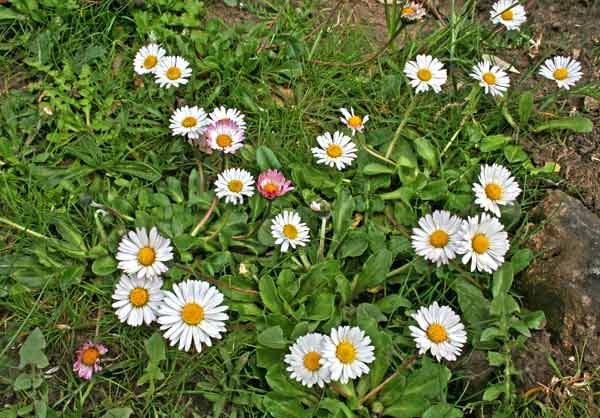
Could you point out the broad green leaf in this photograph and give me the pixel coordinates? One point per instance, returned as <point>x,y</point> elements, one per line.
<point>576,123</point>
<point>354,244</point>
<point>493,392</point>
<point>502,280</point>
<point>118,413</point>
<point>6,13</point>
<point>373,272</point>
<point>427,151</point>
<point>139,169</point>
<point>515,153</point>
<point>268,295</point>
<point>494,142</point>
<point>503,305</point>
<point>474,306</point>
<point>283,408</point>
<point>321,307</point>
<point>391,303</point>
<point>491,333</point>
<point>534,320</point>
<point>272,337</point>
<point>521,259</point>
<point>342,211</point>
<point>31,351</point>
<point>155,347</point>
<point>495,359</point>
<point>266,159</point>
<point>104,266</point>
<point>374,169</point>
<point>407,407</point>
<point>278,378</point>
<point>22,382</point>
<point>442,411</point>
<point>434,190</point>
<point>525,107</point>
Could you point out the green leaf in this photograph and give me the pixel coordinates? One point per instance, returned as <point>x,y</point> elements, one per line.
<point>155,347</point>
<point>139,169</point>
<point>31,351</point>
<point>493,392</point>
<point>491,333</point>
<point>373,272</point>
<point>407,407</point>
<point>525,107</point>
<point>354,245</point>
<point>503,305</point>
<point>474,306</point>
<point>118,413</point>
<point>7,13</point>
<point>495,359</point>
<point>427,151</point>
<point>534,320</point>
<point>278,379</point>
<point>266,159</point>
<point>391,303</point>
<point>22,382</point>
<point>494,142</point>
<point>272,337</point>
<point>104,266</point>
<point>576,123</point>
<point>321,307</point>
<point>374,169</point>
<point>279,408</point>
<point>515,153</point>
<point>268,295</point>
<point>442,411</point>
<point>434,190</point>
<point>521,259</point>
<point>342,210</point>
<point>503,279</point>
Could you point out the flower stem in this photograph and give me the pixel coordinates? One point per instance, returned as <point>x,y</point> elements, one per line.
<point>206,216</point>
<point>304,259</point>
<point>22,228</point>
<point>407,113</point>
<point>322,237</point>
<point>380,387</point>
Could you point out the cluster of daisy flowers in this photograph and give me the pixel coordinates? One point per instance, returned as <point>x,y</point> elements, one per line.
<point>168,71</point>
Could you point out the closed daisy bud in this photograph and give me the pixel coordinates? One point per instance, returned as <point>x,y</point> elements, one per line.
<point>88,359</point>
<point>437,237</point>
<point>440,331</point>
<point>494,80</point>
<point>566,71</point>
<point>496,187</point>
<point>483,243</point>
<point>347,353</point>
<point>426,73</point>
<point>508,13</point>
<point>234,184</point>
<point>148,58</point>
<point>352,121</point>
<point>335,151</point>
<point>304,361</point>
<point>144,255</point>
<point>172,72</point>
<point>272,184</point>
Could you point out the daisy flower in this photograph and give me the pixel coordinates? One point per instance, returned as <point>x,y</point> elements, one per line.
<point>352,121</point>
<point>440,331</point>
<point>304,361</point>
<point>426,73</point>
<point>188,121</point>
<point>288,230</point>
<point>144,255</point>
<point>346,353</point>
<point>509,13</point>
<point>496,187</point>
<point>413,11</point>
<point>172,72</point>
<point>225,136</point>
<point>148,58</point>
<point>233,115</point>
<point>338,151</point>
<point>137,300</point>
<point>234,184</point>
<point>483,242</point>
<point>88,359</point>
<point>492,78</point>
<point>566,71</point>
<point>437,237</point>
<point>272,184</point>
<point>193,312</point>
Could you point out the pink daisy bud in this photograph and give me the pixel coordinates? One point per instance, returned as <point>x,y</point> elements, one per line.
<point>272,184</point>
<point>315,206</point>
<point>88,359</point>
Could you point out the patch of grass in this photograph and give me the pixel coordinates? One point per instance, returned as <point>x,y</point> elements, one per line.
<point>73,182</point>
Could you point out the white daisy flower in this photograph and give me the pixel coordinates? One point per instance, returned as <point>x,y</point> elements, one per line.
<point>352,121</point>
<point>346,353</point>
<point>172,72</point>
<point>566,71</point>
<point>148,58</point>
<point>426,73</point>
<point>483,242</point>
<point>304,361</point>
<point>437,238</point>
<point>508,13</point>
<point>192,312</point>
<point>234,184</point>
<point>288,230</point>
<point>492,78</point>
<point>144,255</point>
<point>233,115</point>
<point>496,187</point>
<point>189,121</point>
<point>225,136</point>
<point>440,331</point>
<point>413,11</point>
<point>137,300</point>
<point>338,151</point>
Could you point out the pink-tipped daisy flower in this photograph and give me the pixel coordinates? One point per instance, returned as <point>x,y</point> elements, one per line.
<point>88,359</point>
<point>272,184</point>
<point>224,136</point>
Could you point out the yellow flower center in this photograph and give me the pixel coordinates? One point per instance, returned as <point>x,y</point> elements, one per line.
<point>561,73</point>
<point>173,73</point>
<point>235,186</point>
<point>424,74</point>
<point>334,151</point>
<point>192,314</point>
<point>507,15</point>
<point>150,62</point>
<point>345,352</point>
<point>439,238</point>
<point>138,297</point>
<point>89,357</point>
<point>224,141</point>
<point>408,11</point>
<point>271,188</point>
<point>189,122</point>
<point>290,231</point>
<point>493,191</point>
<point>311,361</point>
<point>437,333</point>
<point>146,256</point>
<point>480,243</point>
<point>355,121</point>
<point>489,78</point>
